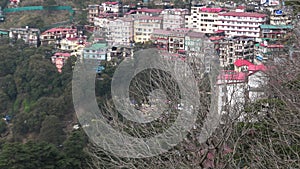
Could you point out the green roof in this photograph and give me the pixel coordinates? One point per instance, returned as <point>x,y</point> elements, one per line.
<point>96,46</point>
<point>3,32</point>
<point>276,26</point>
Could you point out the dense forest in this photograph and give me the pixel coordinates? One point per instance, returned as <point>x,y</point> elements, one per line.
<point>37,100</point>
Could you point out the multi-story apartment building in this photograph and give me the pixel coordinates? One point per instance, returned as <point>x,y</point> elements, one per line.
<point>117,31</point>
<point>231,49</point>
<point>94,11</point>
<point>145,11</point>
<point>271,50</point>
<point>160,38</point>
<point>55,35</point>
<point>174,18</point>
<point>278,32</point>
<point>203,19</point>
<point>194,43</point>
<point>241,23</point>
<point>279,17</point>
<point>110,7</point>
<point>144,26</point>
<point>101,23</point>
<point>176,40</point>
<point>95,52</point>
<point>120,32</point>
<point>31,36</point>
<point>73,45</point>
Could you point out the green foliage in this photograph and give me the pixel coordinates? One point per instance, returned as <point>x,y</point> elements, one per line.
<point>73,148</point>
<point>40,102</point>
<point>49,3</point>
<point>3,126</point>
<point>36,22</point>
<point>30,155</point>
<point>81,17</point>
<point>51,130</point>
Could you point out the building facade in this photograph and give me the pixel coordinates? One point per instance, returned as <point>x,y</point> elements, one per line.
<point>231,49</point>
<point>279,17</point>
<point>277,32</point>
<point>110,7</point>
<point>55,35</point>
<point>95,52</point>
<point>203,19</point>
<point>174,18</point>
<point>93,11</point>
<point>144,26</point>
<point>120,32</point>
<point>241,23</point>
<point>31,36</point>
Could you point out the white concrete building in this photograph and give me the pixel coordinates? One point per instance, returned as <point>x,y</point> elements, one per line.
<point>203,19</point>
<point>120,32</point>
<point>280,17</point>
<point>112,7</point>
<point>174,18</point>
<point>241,23</point>
<point>237,88</point>
<point>30,36</point>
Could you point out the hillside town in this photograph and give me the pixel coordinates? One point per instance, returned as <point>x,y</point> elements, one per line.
<point>247,37</point>
<point>223,92</point>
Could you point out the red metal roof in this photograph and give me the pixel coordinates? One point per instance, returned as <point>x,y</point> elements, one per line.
<point>241,7</point>
<point>60,30</point>
<point>150,10</point>
<point>62,54</point>
<point>242,62</point>
<point>244,14</point>
<point>213,38</point>
<point>211,10</point>
<point>257,67</point>
<point>111,3</point>
<point>219,31</point>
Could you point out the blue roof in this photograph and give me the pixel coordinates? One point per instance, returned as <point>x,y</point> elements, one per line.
<point>260,58</point>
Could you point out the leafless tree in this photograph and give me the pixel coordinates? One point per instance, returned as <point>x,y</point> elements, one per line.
<point>267,137</point>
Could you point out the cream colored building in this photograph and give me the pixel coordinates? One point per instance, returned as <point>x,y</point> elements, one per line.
<point>144,26</point>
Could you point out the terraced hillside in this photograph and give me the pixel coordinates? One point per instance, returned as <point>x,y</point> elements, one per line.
<point>37,19</point>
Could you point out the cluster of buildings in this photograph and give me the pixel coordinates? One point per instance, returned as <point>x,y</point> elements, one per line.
<point>245,38</point>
